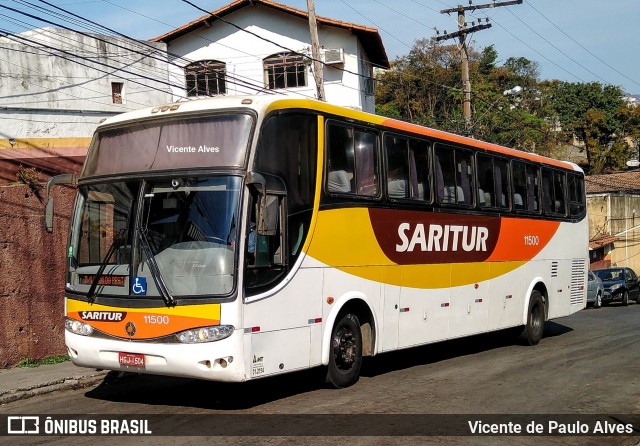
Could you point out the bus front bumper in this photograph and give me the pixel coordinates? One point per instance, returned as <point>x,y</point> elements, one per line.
<point>218,361</point>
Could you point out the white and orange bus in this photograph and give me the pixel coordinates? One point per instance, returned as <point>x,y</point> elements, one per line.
<point>241,237</point>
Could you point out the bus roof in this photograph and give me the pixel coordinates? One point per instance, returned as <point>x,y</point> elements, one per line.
<point>264,104</point>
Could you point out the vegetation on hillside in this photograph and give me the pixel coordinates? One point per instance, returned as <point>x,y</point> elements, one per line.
<point>542,116</point>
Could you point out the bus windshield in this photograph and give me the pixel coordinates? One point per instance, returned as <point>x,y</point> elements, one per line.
<point>185,239</point>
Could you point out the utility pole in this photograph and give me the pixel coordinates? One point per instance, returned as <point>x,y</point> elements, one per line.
<point>461,34</point>
<point>315,50</point>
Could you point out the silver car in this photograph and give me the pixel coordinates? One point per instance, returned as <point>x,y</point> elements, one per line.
<point>595,290</point>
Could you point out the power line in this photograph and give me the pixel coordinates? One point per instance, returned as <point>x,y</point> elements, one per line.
<point>581,46</point>
<point>461,34</point>
<point>554,46</point>
<point>233,79</point>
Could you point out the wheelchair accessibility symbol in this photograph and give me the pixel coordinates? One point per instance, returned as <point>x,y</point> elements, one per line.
<point>139,287</point>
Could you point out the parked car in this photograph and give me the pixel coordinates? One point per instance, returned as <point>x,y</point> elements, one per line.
<point>620,284</point>
<point>595,290</point>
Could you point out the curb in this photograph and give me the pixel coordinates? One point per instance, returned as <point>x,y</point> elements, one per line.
<point>75,382</point>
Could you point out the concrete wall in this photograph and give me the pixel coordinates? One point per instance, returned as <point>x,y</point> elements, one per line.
<point>619,215</point>
<point>56,87</point>
<point>244,53</point>
<point>32,262</point>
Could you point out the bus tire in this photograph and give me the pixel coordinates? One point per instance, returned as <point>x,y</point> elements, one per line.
<point>345,355</point>
<point>534,328</point>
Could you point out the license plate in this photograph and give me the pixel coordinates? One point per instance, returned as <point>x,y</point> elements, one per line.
<point>131,359</point>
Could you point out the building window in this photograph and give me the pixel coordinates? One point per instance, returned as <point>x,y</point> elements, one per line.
<point>285,70</point>
<point>116,92</point>
<point>206,78</point>
<point>369,86</point>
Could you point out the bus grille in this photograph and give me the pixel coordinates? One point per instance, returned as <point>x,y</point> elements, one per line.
<point>578,274</point>
<point>554,269</point>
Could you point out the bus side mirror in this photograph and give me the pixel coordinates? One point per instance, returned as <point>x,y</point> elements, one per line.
<point>70,178</point>
<point>267,212</point>
<point>268,215</point>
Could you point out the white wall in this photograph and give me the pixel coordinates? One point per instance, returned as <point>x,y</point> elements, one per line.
<point>243,53</point>
<point>54,92</point>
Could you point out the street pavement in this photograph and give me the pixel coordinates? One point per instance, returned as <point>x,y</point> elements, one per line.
<point>25,382</point>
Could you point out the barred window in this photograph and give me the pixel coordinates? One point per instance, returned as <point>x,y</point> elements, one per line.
<point>206,78</point>
<point>285,70</point>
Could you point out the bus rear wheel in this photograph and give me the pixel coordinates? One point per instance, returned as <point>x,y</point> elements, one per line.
<point>533,330</point>
<point>345,356</point>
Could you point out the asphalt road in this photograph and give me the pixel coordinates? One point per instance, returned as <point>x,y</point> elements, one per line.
<point>587,364</point>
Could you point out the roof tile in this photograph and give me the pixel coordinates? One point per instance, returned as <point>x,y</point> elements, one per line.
<point>614,182</point>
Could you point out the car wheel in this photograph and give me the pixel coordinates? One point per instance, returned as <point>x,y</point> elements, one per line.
<point>625,298</point>
<point>598,302</point>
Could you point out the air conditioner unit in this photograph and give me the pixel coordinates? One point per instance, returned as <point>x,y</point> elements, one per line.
<point>334,56</point>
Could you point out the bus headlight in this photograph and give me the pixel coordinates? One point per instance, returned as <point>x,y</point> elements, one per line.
<point>205,334</point>
<point>78,327</point>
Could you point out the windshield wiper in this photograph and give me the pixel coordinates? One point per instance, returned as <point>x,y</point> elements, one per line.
<point>117,241</point>
<point>169,300</point>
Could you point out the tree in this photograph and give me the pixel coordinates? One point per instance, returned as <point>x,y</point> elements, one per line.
<point>590,112</point>
<point>424,86</point>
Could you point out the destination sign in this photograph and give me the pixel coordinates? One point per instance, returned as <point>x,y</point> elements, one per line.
<point>87,279</point>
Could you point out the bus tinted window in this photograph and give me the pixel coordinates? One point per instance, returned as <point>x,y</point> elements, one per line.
<point>576,195</point>
<point>419,168</point>
<point>526,191</point>
<point>454,175</point>
<point>287,149</point>
<point>407,168</point>
<point>486,184</point>
<point>553,192</point>
<point>398,181</point>
<point>352,162</point>
<point>493,182</point>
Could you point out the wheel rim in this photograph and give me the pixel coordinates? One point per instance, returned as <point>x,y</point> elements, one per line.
<point>599,299</point>
<point>344,348</point>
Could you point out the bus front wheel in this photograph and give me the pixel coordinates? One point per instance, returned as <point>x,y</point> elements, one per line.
<point>345,356</point>
<point>534,328</point>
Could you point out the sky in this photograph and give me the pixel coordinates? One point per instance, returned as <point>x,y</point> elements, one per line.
<point>571,40</point>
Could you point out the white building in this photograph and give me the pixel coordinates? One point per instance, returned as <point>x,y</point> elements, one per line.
<point>57,85</point>
<point>260,46</point>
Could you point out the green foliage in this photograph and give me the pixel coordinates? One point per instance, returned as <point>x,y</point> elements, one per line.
<point>27,362</point>
<point>546,117</point>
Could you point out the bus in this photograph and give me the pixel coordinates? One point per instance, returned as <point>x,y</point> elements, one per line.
<point>236,238</point>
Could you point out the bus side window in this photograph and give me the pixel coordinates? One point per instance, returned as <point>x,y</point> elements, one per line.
<point>366,155</point>
<point>576,195</point>
<point>340,162</point>
<point>519,186</point>
<point>419,170</point>
<point>501,177</point>
<point>486,183</point>
<point>547,191</point>
<point>464,177</point>
<point>445,175</point>
<point>266,259</point>
<point>559,188</point>
<point>352,161</point>
<point>397,167</point>
<point>533,189</point>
